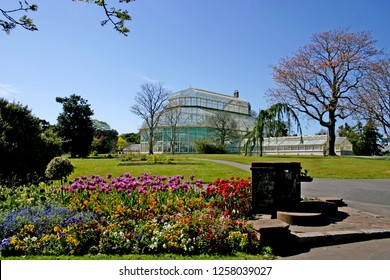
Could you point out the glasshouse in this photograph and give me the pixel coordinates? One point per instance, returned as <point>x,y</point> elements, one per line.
<point>187,119</point>
<point>306,145</point>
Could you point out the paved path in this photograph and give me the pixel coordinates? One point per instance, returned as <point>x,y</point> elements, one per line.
<point>377,249</point>
<point>231,163</point>
<point>371,195</point>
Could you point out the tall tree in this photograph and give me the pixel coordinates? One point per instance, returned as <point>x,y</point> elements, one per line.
<point>321,79</point>
<point>276,121</point>
<point>75,125</point>
<point>25,146</point>
<point>371,139</point>
<point>364,139</point>
<point>354,135</point>
<point>225,127</point>
<point>151,102</point>
<point>116,16</point>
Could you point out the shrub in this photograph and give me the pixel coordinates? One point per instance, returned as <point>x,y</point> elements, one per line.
<point>208,147</point>
<point>59,168</point>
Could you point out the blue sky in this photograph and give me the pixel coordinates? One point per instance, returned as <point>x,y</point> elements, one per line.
<point>218,45</point>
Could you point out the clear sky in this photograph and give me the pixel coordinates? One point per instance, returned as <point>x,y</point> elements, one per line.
<point>215,45</point>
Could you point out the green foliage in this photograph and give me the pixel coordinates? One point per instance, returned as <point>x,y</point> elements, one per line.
<point>105,138</point>
<point>275,121</point>
<point>160,158</point>
<point>59,168</point>
<point>120,143</point>
<point>209,147</point>
<point>75,125</point>
<point>363,138</point>
<point>131,137</point>
<point>25,146</point>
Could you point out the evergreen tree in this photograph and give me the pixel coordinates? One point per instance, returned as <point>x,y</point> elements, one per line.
<point>75,125</point>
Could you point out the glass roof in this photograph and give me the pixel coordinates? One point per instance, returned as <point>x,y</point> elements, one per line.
<point>193,97</point>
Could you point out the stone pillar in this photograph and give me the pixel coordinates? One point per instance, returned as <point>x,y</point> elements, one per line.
<point>275,187</point>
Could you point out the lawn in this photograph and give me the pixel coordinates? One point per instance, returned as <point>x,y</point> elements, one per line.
<point>186,165</point>
<point>182,165</point>
<point>322,167</point>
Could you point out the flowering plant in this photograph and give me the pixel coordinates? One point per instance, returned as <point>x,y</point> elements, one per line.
<point>127,214</point>
<point>233,196</point>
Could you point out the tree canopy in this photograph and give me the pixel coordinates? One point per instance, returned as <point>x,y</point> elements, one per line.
<point>321,79</point>
<point>116,16</point>
<point>75,125</point>
<point>364,139</point>
<point>25,146</point>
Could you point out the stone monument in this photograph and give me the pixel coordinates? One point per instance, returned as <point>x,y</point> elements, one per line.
<point>276,186</point>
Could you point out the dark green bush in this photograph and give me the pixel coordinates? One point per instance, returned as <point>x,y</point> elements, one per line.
<point>209,147</point>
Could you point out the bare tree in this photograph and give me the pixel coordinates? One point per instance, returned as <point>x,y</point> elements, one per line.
<point>373,98</point>
<point>173,115</point>
<point>225,126</point>
<point>321,79</point>
<point>150,105</point>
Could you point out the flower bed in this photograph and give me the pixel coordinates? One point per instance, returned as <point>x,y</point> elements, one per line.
<point>126,214</point>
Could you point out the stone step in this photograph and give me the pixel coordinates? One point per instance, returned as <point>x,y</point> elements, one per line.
<point>272,232</point>
<point>314,206</point>
<point>299,218</point>
<point>338,200</point>
<point>266,225</point>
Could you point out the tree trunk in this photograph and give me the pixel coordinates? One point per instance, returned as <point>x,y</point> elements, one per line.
<point>151,135</point>
<point>332,138</point>
<point>173,140</point>
<point>332,134</point>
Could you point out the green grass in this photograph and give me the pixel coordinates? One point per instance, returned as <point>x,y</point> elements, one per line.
<point>322,167</point>
<point>208,171</point>
<point>318,166</point>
